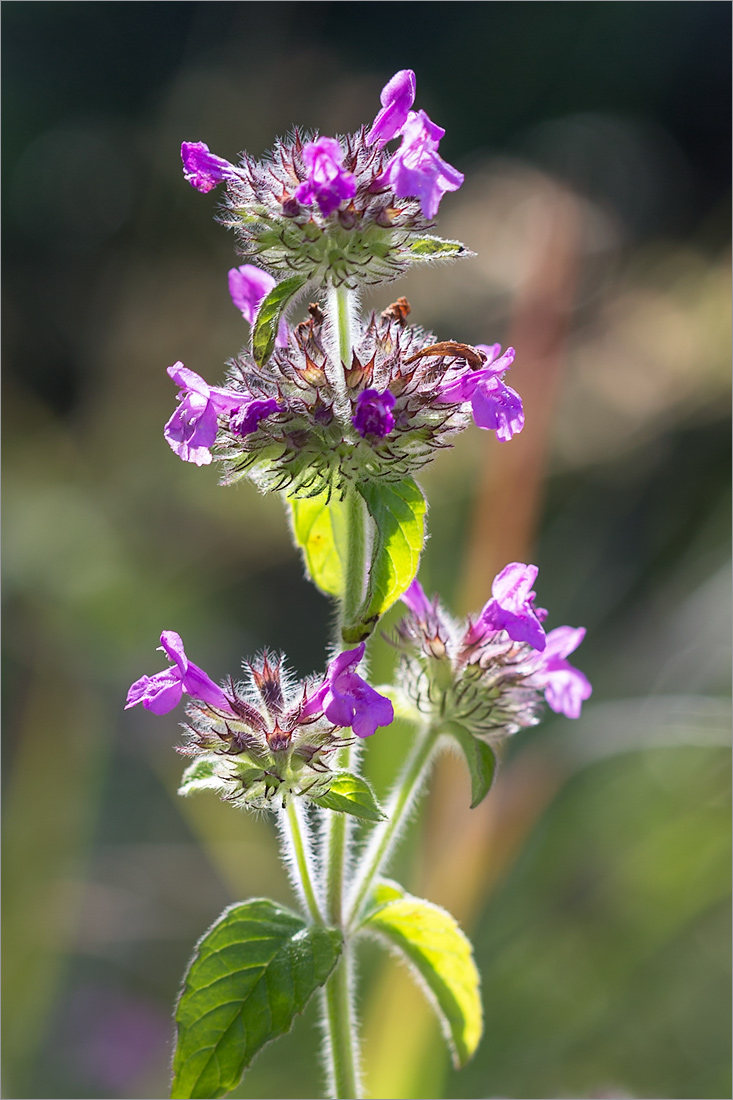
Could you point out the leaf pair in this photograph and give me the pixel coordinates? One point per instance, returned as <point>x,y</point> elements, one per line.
<point>398,511</point>
<point>258,966</point>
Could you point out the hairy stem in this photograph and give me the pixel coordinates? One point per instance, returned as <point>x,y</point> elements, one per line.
<point>303,862</point>
<point>343,1067</point>
<point>385,835</point>
<point>340,307</point>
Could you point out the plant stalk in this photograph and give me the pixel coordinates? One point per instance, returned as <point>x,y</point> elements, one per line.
<point>342,1032</point>
<point>385,835</point>
<point>302,862</point>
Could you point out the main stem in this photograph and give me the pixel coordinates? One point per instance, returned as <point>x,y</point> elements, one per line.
<point>384,836</point>
<point>302,862</point>
<point>342,1051</point>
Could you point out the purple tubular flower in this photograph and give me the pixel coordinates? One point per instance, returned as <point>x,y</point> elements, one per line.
<point>163,691</point>
<point>397,97</point>
<point>417,602</point>
<point>512,606</point>
<point>202,168</point>
<point>416,169</point>
<point>566,688</point>
<point>326,182</point>
<point>248,286</point>
<point>495,406</point>
<point>347,700</point>
<point>373,414</point>
<point>246,419</point>
<point>191,430</point>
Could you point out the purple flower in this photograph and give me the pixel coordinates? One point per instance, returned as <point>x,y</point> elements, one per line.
<point>512,606</point>
<point>191,430</point>
<point>246,419</point>
<point>495,406</point>
<point>202,168</point>
<point>248,286</point>
<point>417,602</point>
<point>373,414</point>
<point>416,169</point>
<point>347,700</point>
<point>163,691</point>
<point>566,687</point>
<point>397,97</point>
<point>326,181</point>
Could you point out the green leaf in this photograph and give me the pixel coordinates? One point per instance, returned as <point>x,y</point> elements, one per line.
<point>480,759</point>
<point>264,330</point>
<point>350,794</point>
<point>435,248</point>
<point>319,526</point>
<point>398,510</point>
<point>432,943</point>
<point>251,974</point>
<point>200,776</point>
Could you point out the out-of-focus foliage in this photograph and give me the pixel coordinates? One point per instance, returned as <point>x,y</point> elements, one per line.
<point>594,878</point>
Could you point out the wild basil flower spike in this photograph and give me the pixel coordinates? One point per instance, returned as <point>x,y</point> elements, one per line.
<point>192,429</point>
<point>486,674</point>
<point>163,691</point>
<point>279,737</point>
<point>248,286</point>
<point>397,97</point>
<point>417,170</point>
<point>495,406</point>
<point>348,700</point>
<point>202,168</point>
<point>327,182</point>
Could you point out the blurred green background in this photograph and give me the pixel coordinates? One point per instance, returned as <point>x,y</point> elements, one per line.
<point>595,880</point>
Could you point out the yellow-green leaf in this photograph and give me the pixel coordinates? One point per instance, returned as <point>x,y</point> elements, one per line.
<point>435,248</point>
<point>398,510</point>
<point>350,794</point>
<point>432,943</point>
<point>319,529</point>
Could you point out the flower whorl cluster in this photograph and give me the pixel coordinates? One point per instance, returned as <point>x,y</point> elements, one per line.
<point>386,421</point>
<point>269,738</point>
<point>339,212</point>
<point>489,674</point>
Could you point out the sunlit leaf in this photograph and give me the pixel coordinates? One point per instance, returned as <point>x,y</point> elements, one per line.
<point>350,794</point>
<point>319,529</point>
<point>251,974</point>
<point>435,248</point>
<point>480,759</point>
<point>264,330</point>
<point>432,943</point>
<point>398,510</point>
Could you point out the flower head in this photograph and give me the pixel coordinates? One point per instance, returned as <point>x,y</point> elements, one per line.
<point>163,691</point>
<point>397,97</point>
<point>248,287</point>
<point>326,181</point>
<point>495,406</point>
<point>270,737</point>
<point>348,700</point>
<point>202,168</point>
<point>417,170</point>
<point>373,414</point>
<point>486,673</point>
<point>192,429</point>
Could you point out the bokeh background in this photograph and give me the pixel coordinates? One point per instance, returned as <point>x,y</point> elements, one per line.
<point>595,879</point>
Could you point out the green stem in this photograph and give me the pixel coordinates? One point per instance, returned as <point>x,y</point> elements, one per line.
<point>339,306</point>
<point>384,836</point>
<point>302,862</point>
<point>355,564</point>
<point>342,1032</point>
